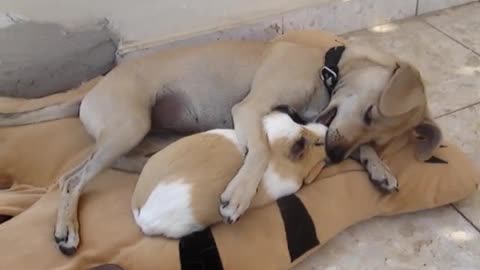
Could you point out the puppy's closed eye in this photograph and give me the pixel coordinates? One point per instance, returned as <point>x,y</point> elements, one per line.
<point>319,143</point>
<point>298,148</point>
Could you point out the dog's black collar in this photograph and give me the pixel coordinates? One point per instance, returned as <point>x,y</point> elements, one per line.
<point>329,72</point>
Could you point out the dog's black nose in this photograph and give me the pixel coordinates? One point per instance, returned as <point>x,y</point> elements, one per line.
<point>335,154</point>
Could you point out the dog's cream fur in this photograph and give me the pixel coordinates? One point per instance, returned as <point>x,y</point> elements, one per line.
<point>218,84</point>
<point>178,189</point>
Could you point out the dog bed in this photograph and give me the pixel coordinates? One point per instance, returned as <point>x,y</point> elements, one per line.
<point>276,236</point>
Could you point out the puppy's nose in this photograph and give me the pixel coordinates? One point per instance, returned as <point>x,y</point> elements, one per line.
<point>336,153</point>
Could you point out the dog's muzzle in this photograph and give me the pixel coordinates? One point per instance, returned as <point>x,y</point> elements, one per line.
<point>336,149</point>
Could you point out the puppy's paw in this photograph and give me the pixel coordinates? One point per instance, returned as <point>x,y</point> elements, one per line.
<point>67,238</point>
<point>235,201</point>
<point>382,178</point>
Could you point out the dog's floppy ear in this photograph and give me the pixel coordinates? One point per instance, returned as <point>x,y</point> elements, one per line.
<point>404,92</point>
<point>428,136</point>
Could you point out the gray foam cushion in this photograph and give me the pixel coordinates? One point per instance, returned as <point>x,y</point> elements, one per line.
<point>39,59</point>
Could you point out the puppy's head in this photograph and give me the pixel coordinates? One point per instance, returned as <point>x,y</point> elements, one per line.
<point>296,146</point>
<point>377,98</point>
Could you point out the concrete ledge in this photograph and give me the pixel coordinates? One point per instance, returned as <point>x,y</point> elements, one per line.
<point>41,59</point>
<point>336,16</point>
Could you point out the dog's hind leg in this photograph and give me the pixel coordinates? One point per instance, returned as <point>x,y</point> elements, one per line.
<point>113,142</point>
<point>48,113</point>
<point>135,160</point>
<point>130,163</point>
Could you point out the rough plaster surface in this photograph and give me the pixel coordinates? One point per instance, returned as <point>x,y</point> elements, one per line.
<point>40,59</point>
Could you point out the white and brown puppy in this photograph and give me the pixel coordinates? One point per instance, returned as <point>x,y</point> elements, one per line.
<point>178,189</point>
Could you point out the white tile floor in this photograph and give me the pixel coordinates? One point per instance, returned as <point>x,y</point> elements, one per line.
<point>445,46</point>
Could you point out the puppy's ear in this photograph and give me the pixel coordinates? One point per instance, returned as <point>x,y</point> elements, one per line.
<point>428,136</point>
<point>404,92</point>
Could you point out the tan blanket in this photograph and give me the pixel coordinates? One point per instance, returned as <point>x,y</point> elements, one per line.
<point>276,236</point>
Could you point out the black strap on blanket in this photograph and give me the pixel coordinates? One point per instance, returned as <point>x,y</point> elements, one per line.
<point>198,251</point>
<point>299,227</point>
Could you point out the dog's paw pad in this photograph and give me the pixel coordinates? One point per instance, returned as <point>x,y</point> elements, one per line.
<point>232,209</point>
<point>385,185</point>
<point>67,240</point>
<point>66,250</point>
<point>228,212</point>
<point>223,203</point>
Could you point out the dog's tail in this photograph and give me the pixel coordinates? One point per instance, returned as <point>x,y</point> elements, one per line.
<point>47,113</point>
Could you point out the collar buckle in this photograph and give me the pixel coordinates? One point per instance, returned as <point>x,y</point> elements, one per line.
<point>328,71</point>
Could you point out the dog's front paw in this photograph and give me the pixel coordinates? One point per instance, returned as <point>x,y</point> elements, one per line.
<point>235,200</point>
<point>385,185</point>
<point>67,238</point>
<point>382,178</point>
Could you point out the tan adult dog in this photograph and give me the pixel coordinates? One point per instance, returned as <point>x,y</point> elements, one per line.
<point>215,85</point>
<point>178,189</point>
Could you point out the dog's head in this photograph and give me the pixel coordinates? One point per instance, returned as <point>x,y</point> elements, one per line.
<point>377,98</point>
<point>296,147</point>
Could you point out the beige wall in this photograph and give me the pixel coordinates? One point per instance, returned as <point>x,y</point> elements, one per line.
<point>144,20</point>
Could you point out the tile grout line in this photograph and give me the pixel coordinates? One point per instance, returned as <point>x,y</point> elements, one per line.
<point>450,37</point>
<point>457,110</point>
<point>461,44</point>
<point>466,218</point>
